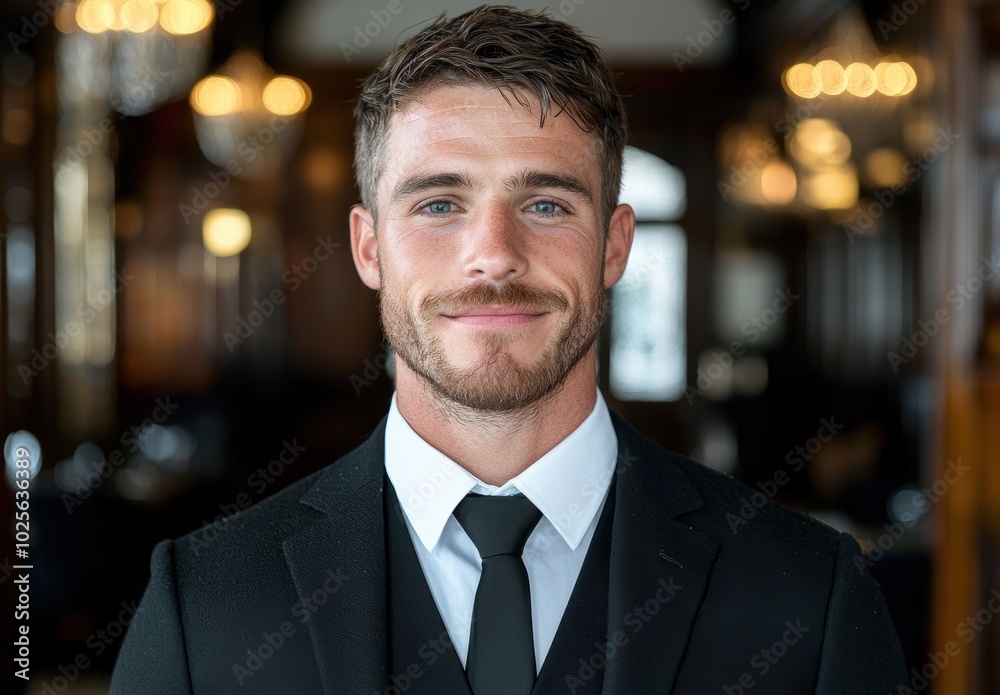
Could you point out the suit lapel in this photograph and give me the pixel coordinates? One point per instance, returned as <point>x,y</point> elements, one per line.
<point>659,568</point>
<point>347,542</point>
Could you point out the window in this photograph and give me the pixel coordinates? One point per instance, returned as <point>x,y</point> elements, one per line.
<point>647,356</point>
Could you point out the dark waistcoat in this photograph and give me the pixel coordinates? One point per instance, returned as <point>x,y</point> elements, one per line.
<point>422,659</point>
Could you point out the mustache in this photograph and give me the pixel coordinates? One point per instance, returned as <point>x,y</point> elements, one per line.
<point>513,294</point>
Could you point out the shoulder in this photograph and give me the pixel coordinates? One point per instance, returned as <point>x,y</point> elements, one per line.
<point>242,533</point>
<point>752,510</point>
<point>246,537</point>
<point>744,521</point>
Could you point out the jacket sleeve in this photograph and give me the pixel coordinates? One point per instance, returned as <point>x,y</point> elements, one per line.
<point>861,651</point>
<point>153,657</point>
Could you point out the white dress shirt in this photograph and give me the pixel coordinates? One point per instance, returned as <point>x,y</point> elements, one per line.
<point>569,485</point>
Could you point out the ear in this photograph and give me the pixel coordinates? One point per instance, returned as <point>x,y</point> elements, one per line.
<point>618,243</point>
<point>364,246</point>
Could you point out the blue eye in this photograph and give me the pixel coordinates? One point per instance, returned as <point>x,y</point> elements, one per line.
<point>545,208</point>
<point>439,207</point>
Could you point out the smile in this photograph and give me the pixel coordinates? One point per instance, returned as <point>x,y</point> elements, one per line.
<point>496,317</point>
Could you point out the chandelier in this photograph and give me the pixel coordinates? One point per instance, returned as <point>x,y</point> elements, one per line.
<point>248,120</point>
<point>152,51</point>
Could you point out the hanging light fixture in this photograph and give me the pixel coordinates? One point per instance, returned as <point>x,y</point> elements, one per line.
<point>847,63</point>
<point>152,50</point>
<point>850,99</point>
<point>247,119</point>
<point>887,77</point>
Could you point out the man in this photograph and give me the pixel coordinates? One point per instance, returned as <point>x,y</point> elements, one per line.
<point>501,531</point>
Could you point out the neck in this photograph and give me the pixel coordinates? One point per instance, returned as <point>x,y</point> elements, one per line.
<point>496,447</point>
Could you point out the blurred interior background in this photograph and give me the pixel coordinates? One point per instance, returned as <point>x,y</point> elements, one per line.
<point>812,304</point>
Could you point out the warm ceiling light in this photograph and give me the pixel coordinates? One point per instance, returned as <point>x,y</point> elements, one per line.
<point>890,78</point>
<point>818,142</point>
<point>215,95</point>
<point>186,16</point>
<point>831,189</point>
<point>138,16</point>
<point>861,80</point>
<point>911,78</point>
<point>801,80</point>
<point>885,167</point>
<point>95,16</point>
<point>286,96</point>
<point>65,19</point>
<point>831,76</point>
<point>225,231</point>
<point>777,183</point>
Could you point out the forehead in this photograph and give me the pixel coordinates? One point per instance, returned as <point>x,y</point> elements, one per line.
<point>479,125</point>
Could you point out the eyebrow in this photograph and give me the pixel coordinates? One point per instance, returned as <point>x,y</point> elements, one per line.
<point>425,182</point>
<point>525,179</point>
<point>545,179</point>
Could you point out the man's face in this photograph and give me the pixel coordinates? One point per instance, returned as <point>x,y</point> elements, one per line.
<point>490,257</point>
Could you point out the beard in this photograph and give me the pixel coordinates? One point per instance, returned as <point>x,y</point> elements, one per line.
<point>497,382</point>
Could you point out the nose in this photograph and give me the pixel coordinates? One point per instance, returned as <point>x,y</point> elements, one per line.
<point>494,248</point>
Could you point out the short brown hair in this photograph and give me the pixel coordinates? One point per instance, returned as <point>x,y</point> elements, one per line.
<point>510,49</point>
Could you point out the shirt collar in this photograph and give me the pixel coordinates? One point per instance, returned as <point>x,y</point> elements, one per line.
<point>567,484</point>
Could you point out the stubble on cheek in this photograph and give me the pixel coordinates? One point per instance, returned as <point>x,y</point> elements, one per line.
<point>497,381</point>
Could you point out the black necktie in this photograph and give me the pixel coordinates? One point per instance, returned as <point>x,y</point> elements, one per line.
<point>501,657</point>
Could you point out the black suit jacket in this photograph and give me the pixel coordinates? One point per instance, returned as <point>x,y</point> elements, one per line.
<point>290,595</point>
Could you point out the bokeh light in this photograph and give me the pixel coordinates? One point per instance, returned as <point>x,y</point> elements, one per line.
<point>215,95</point>
<point>286,96</point>
<point>95,16</point>
<point>183,17</point>
<point>831,76</point>
<point>226,231</point>
<point>138,16</point>
<point>777,183</point>
<point>860,79</point>
<point>801,80</point>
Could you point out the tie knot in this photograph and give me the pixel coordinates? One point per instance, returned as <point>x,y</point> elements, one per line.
<point>498,525</point>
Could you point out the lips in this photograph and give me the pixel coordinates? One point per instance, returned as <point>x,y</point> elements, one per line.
<point>495,310</point>
<point>496,316</point>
